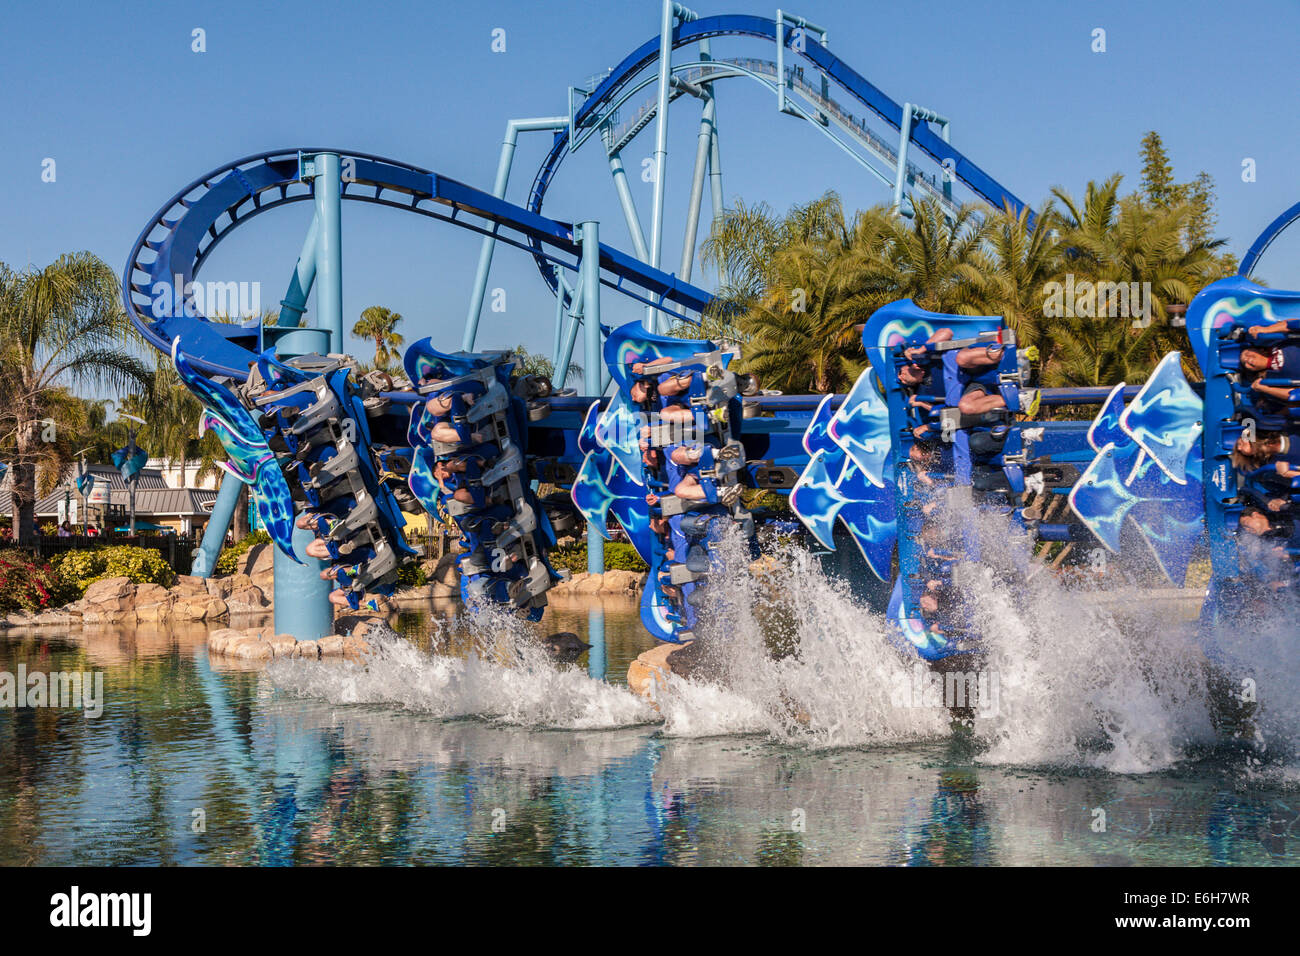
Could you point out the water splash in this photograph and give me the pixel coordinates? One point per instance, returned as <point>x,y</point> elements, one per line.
<point>791,654</point>
<point>1083,681</point>
<point>504,676</point>
<point>787,652</point>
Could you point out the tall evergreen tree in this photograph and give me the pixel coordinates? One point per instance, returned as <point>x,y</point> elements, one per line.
<point>1158,186</point>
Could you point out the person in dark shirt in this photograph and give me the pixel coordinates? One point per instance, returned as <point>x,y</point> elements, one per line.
<point>1279,361</point>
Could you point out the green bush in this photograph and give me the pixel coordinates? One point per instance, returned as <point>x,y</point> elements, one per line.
<point>619,556</point>
<point>82,568</point>
<point>412,576</point>
<point>228,559</point>
<point>30,585</point>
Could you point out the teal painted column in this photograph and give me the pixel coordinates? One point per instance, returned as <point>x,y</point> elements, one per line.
<point>654,320</point>
<point>596,655</point>
<point>302,606</point>
<point>593,363</point>
<point>329,247</point>
<point>479,289</point>
<point>294,303</point>
<point>214,535</point>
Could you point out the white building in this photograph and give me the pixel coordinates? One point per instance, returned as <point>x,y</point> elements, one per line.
<point>172,475</point>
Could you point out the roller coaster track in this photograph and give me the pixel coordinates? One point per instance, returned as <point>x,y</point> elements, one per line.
<point>173,247</point>
<point>696,75</point>
<point>1265,239</point>
<point>594,110</point>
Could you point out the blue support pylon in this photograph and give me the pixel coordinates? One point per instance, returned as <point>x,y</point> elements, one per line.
<point>302,605</point>
<point>214,535</point>
<point>593,362</point>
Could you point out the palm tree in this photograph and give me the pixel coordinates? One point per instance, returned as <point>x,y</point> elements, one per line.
<point>1027,259</point>
<point>1126,240</point>
<point>534,363</point>
<point>379,324</point>
<point>796,286</point>
<point>782,291</point>
<point>801,331</point>
<point>937,259</point>
<point>745,240</point>
<point>60,327</point>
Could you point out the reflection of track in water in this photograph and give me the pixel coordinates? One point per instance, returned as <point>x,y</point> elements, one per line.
<point>385,740</point>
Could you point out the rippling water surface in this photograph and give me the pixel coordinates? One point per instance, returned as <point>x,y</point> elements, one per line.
<point>808,741</point>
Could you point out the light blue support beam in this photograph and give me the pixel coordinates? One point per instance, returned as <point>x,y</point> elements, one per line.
<point>654,320</point>
<point>570,336</point>
<point>911,113</point>
<point>900,174</point>
<point>302,605</point>
<point>697,189</point>
<point>479,290</point>
<point>294,303</point>
<point>329,248</point>
<point>559,326</point>
<point>782,18</point>
<point>596,656</point>
<point>715,157</point>
<point>625,200</point>
<point>593,364</point>
<point>214,535</point>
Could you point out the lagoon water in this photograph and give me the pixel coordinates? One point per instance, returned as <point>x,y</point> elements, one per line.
<point>460,743</point>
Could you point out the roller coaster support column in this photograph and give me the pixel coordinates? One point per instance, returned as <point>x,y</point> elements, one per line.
<point>214,535</point>
<point>302,606</point>
<point>596,666</point>
<point>591,356</point>
<point>294,303</point>
<point>513,129</point>
<point>715,170</point>
<point>913,112</point>
<point>302,599</point>
<point>703,147</point>
<point>697,188</point>
<point>325,171</point>
<point>625,199</point>
<point>565,354</point>
<point>782,18</point>
<point>559,326</point>
<point>654,319</point>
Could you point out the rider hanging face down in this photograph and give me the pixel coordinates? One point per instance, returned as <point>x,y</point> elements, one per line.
<point>1269,544</point>
<point>921,375</point>
<point>683,461</point>
<point>1268,462</point>
<point>1275,455</point>
<point>1277,362</point>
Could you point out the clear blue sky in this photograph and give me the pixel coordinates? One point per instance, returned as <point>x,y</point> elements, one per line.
<point>114,94</point>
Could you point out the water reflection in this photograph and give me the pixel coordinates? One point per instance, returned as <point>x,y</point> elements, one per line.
<point>199,762</point>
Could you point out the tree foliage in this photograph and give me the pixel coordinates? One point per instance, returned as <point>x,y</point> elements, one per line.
<point>795,288</point>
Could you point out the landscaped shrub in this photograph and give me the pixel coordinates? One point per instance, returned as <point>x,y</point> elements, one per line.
<point>412,576</point>
<point>84,567</point>
<point>228,559</point>
<point>30,585</point>
<point>619,556</point>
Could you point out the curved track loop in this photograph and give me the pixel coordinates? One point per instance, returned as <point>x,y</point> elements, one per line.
<point>1265,239</point>
<point>839,72</point>
<point>179,238</point>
